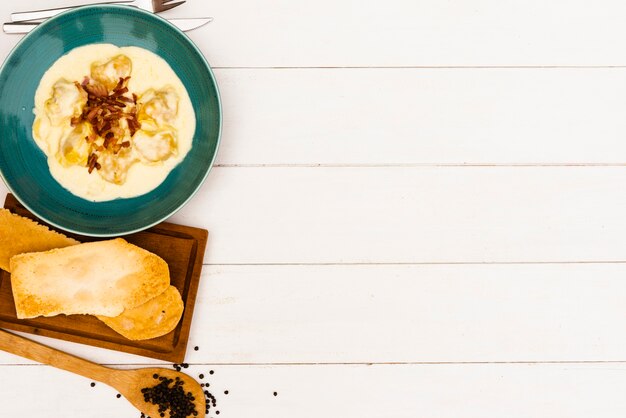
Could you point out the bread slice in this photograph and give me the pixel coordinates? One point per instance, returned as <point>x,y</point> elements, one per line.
<point>96,278</point>
<point>155,318</point>
<point>20,235</point>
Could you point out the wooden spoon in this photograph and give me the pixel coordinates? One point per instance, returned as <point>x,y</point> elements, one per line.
<point>127,382</point>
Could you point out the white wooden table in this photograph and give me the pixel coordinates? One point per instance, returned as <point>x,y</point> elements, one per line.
<point>418,210</point>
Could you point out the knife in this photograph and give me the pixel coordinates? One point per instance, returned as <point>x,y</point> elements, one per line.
<point>185,25</point>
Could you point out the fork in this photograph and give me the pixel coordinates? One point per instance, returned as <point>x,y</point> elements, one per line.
<point>154,6</point>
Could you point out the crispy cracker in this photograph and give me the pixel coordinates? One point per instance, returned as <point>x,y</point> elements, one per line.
<point>155,318</point>
<point>95,278</point>
<point>21,235</point>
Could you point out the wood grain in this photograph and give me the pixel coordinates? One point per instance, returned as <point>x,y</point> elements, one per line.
<point>180,246</point>
<point>416,313</point>
<point>408,116</point>
<point>339,391</point>
<point>411,33</point>
<point>411,214</point>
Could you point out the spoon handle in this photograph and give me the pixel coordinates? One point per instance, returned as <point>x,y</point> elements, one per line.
<point>29,349</point>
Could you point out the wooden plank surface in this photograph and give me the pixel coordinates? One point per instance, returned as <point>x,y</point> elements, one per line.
<point>339,391</point>
<point>408,116</point>
<point>411,214</point>
<point>339,33</point>
<point>348,229</point>
<point>412,33</point>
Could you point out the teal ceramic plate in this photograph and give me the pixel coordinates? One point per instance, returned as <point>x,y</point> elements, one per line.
<point>23,165</point>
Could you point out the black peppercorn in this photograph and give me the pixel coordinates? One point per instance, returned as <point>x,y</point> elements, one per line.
<point>169,395</point>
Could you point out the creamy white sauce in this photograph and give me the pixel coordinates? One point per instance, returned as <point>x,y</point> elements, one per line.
<point>149,71</point>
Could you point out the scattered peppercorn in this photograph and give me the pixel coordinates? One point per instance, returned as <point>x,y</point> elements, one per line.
<point>196,348</point>
<point>93,384</point>
<point>201,376</point>
<point>225,392</point>
<point>275,393</point>
<point>118,396</point>
<point>217,412</point>
<point>211,372</point>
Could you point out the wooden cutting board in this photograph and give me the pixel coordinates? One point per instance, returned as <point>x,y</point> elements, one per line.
<point>182,247</point>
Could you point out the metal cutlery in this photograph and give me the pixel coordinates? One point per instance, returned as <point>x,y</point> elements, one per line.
<point>184,24</point>
<point>154,6</point>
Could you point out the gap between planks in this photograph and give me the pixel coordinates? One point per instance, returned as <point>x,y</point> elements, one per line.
<point>419,165</point>
<point>434,263</point>
<point>295,364</point>
<point>424,67</point>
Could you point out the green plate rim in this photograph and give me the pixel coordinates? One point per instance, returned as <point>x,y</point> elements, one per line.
<point>42,27</point>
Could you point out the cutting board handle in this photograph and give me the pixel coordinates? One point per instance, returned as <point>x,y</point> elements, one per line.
<point>29,349</point>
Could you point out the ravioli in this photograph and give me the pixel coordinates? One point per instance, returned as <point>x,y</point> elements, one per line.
<point>112,121</point>
<point>66,101</point>
<point>109,72</point>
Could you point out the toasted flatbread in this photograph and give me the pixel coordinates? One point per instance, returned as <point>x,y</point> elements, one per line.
<point>95,278</point>
<point>155,318</point>
<point>20,235</point>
